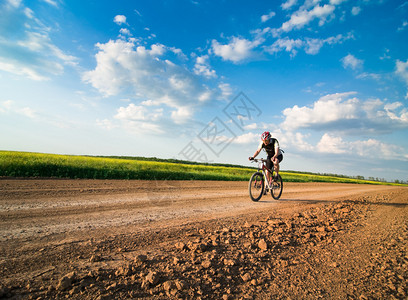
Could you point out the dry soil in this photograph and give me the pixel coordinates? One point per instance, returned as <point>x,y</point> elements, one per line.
<point>114,239</point>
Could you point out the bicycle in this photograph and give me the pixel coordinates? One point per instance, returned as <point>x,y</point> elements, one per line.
<point>259,182</point>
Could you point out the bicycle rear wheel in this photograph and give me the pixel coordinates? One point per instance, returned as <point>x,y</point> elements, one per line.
<point>277,187</point>
<point>256,186</point>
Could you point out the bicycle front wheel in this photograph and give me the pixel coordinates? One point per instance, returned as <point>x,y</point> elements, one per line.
<point>256,186</point>
<point>277,188</point>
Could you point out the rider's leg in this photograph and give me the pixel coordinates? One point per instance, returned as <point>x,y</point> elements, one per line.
<point>269,165</point>
<point>276,166</point>
<point>276,162</point>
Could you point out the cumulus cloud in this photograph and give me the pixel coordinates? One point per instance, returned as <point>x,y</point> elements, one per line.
<point>247,138</point>
<point>350,61</point>
<point>119,19</point>
<point>370,148</point>
<point>286,44</point>
<point>146,73</point>
<point>138,117</point>
<point>302,17</point>
<point>311,46</point>
<point>288,4</point>
<point>265,18</point>
<point>344,113</point>
<point>202,67</point>
<point>238,49</point>
<point>402,70</point>
<point>355,10</point>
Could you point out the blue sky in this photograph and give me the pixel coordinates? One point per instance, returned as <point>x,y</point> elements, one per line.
<point>201,80</point>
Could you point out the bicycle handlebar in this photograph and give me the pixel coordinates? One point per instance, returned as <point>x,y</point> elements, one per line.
<point>258,160</point>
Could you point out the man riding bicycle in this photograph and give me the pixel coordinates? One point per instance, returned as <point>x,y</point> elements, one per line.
<point>271,146</point>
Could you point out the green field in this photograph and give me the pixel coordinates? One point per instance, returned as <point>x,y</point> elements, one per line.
<point>26,164</point>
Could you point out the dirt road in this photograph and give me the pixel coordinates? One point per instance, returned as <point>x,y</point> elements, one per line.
<point>104,239</point>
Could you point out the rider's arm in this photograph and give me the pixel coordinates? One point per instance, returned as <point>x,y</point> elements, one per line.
<point>256,153</point>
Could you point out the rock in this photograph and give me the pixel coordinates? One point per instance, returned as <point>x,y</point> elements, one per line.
<point>152,277</point>
<point>246,277</point>
<point>95,258</point>
<point>262,244</point>
<point>180,246</point>
<point>206,264</point>
<point>176,260</point>
<point>169,285</point>
<point>141,258</point>
<point>66,281</point>
<point>181,285</point>
<point>126,271</point>
<point>229,262</point>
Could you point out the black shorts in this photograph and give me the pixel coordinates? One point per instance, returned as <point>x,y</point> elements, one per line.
<point>269,161</point>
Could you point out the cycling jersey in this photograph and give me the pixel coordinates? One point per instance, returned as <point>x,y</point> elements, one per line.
<point>271,147</point>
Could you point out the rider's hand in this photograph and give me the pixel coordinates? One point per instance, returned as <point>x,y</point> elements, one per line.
<point>251,158</point>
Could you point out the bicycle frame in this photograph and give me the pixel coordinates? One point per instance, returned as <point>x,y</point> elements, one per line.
<point>262,167</point>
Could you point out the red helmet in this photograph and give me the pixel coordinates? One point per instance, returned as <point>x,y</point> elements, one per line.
<point>266,135</point>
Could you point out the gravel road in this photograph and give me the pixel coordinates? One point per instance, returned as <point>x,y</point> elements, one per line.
<point>91,239</point>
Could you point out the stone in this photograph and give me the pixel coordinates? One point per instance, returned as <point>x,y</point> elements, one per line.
<point>66,281</point>
<point>180,246</point>
<point>141,258</point>
<point>169,285</point>
<point>262,244</point>
<point>206,264</point>
<point>246,277</point>
<point>152,277</point>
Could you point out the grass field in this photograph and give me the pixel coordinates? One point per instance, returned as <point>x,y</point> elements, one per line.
<point>26,164</point>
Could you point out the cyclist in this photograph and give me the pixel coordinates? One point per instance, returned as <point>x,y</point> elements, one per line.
<point>275,156</point>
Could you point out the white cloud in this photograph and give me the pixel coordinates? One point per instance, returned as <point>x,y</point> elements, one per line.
<point>267,17</point>
<point>343,113</point>
<point>313,46</point>
<point>51,2</point>
<point>226,90</point>
<point>331,144</point>
<point>9,106</point>
<point>310,45</point>
<point>14,3</point>
<point>105,124</point>
<point>287,44</point>
<point>350,61</point>
<point>336,2</point>
<point>288,4</point>
<point>302,17</point>
<point>120,19</point>
<point>125,31</point>
<point>238,49</point>
<point>402,70</point>
<point>370,148</point>
<point>138,113</point>
<point>403,26</point>
<point>296,140</point>
<point>26,49</point>
<point>203,68</point>
<point>247,138</point>
<point>355,10</point>
<point>147,74</point>
<point>137,118</point>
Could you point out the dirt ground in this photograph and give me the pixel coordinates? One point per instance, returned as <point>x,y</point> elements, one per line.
<point>117,239</point>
